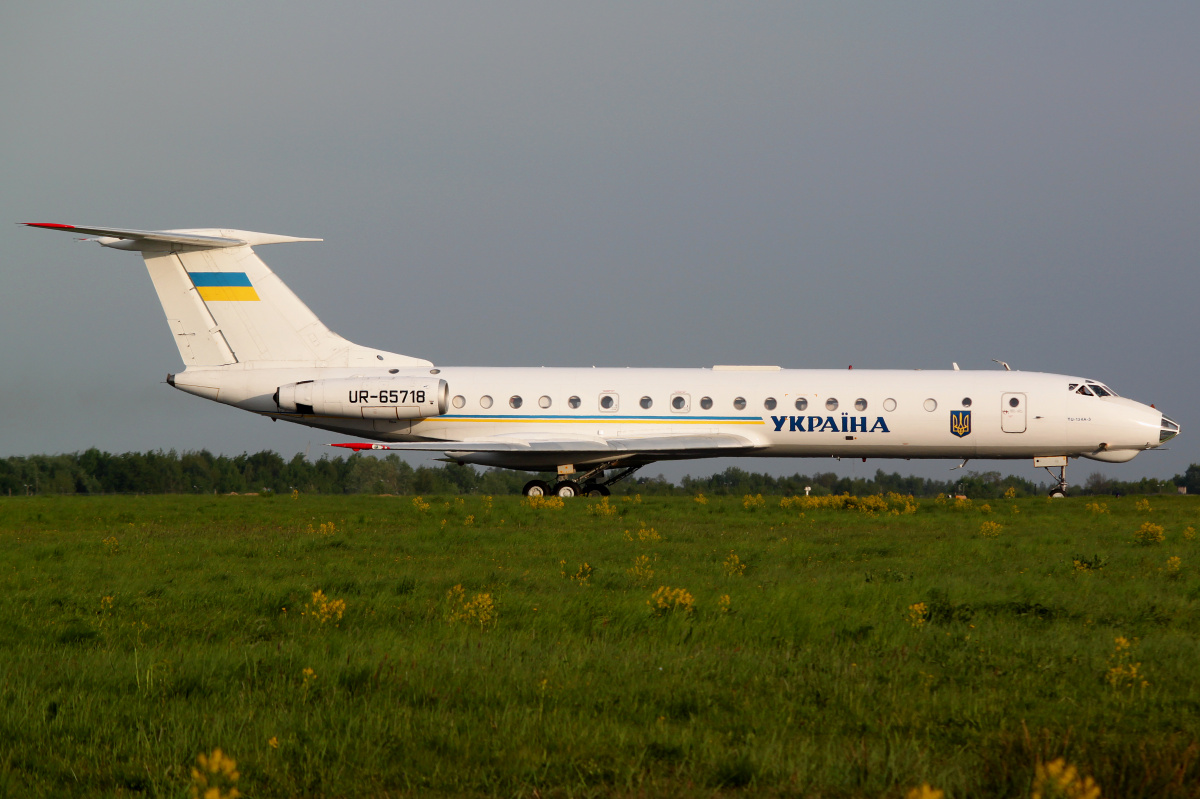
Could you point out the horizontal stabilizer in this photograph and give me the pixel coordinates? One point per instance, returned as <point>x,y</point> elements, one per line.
<point>207,238</point>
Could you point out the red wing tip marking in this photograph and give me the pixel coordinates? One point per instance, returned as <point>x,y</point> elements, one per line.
<point>48,224</point>
<point>356,446</point>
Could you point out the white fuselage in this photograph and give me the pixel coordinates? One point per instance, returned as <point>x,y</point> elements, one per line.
<point>783,412</point>
<point>249,341</point>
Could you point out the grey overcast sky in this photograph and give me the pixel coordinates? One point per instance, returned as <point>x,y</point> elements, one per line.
<point>611,184</point>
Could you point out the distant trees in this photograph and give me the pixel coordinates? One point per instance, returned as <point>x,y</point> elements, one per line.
<point>974,484</point>
<point>157,472</point>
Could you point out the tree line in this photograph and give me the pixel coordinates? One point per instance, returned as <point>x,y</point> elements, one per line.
<point>157,472</point>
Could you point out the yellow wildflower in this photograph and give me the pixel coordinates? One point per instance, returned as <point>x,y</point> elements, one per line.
<point>479,609</point>
<point>990,529</point>
<point>1058,779</point>
<point>642,568</point>
<point>602,508</point>
<point>216,778</point>
<point>324,609</point>
<point>1149,534</point>
<point>545,503</point>
<point>733,566</point>
<point>1122,671</point>
<point>667,600</point>
<point>926,791</point>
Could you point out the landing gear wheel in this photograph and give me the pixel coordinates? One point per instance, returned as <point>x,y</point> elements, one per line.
<point>595,490</point>
<point>1059,489</point>
<point>536,488</point>
<point>566,489</point>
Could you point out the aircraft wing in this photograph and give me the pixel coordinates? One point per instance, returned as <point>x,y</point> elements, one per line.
<point>650,445</point>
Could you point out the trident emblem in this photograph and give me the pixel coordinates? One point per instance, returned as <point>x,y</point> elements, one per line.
<point>960,423</point>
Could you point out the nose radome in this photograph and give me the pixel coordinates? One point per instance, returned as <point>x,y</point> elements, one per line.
<point>1167,430</point>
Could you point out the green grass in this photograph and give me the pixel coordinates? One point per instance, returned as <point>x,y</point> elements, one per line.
<point>121,661</point>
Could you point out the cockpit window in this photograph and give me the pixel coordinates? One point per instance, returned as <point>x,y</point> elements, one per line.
<point>1084,390</point>
<point>1072,387</point>
<point>1101,391</point>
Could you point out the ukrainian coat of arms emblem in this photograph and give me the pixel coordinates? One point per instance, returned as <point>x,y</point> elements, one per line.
<point>960,423</point>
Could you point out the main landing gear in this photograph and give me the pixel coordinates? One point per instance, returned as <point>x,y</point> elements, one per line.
<point>589,484</point>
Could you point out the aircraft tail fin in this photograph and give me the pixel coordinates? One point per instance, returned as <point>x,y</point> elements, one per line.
<point>225,306</point>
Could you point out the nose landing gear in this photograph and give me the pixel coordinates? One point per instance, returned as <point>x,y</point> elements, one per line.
<point>1050,463</point>
<point>1059,489</point>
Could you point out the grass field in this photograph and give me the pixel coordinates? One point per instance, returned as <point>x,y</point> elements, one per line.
<point>357,646</point>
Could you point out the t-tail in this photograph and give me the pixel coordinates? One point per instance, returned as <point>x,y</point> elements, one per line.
<point>225,306</point>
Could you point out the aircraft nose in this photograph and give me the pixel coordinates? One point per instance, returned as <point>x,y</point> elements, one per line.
<point>1167,430</point>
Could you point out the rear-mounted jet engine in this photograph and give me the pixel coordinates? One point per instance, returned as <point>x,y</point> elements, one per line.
<point>365,398</point>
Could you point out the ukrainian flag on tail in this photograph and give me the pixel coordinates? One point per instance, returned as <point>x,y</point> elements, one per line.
<point>224,286</point>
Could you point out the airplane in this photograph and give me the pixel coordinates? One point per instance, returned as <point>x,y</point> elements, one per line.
<point>247,341</point>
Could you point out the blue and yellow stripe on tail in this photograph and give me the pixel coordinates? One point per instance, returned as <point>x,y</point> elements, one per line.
<point>224,286</point>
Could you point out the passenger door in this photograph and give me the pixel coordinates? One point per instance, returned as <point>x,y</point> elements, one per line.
<point>1012,413</point>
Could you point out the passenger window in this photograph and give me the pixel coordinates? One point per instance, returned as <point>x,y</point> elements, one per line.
<point>706,403</point>
<point>801,404</point>
<point>544,402</point>
<point>573,402</point>
<point>739,403</point>
<point>608,402</point>
<point>889,404</point>
<point>769,403</point>
<point>459,401</point>
<point>646,402</point>
<point>485,401</point>
<point>931,405</point>
<point>831,404</point>
<point>514,402</point>
<point>860,404</point>
<point>679,402</point>
<point>966,402</point>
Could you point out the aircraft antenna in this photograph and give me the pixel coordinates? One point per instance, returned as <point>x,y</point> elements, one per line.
<point>1002,363</point>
